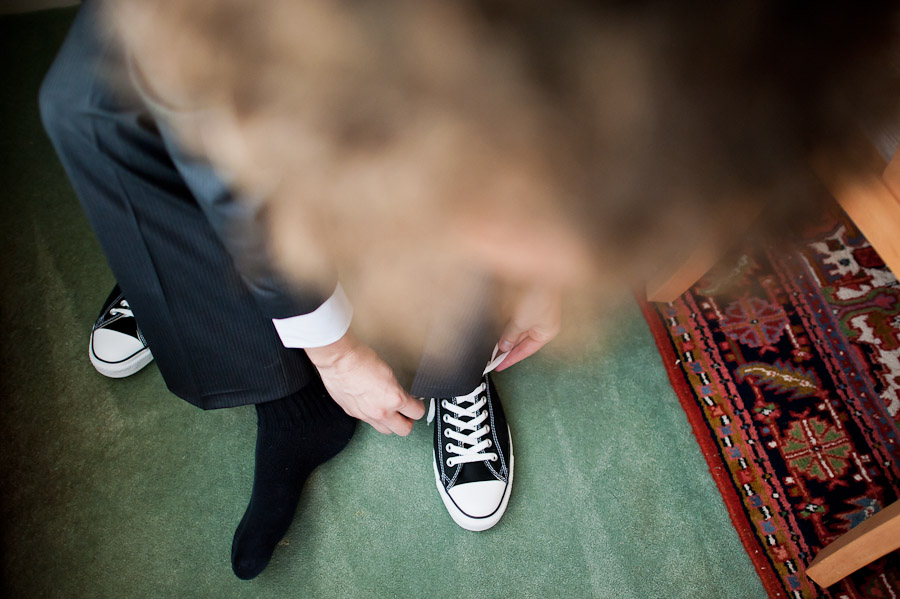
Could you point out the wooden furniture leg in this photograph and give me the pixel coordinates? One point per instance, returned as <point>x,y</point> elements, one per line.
<point>870,199</point>
<point>874,538</point>
<point>668,286</point>
<point>734,219</point>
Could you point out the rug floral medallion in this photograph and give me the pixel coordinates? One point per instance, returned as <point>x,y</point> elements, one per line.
<point>788,366</point>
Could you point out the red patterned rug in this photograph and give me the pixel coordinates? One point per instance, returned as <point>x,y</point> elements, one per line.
<point>788,366</point>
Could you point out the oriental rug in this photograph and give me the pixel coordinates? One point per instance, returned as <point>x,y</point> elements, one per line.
<point>787,363</point>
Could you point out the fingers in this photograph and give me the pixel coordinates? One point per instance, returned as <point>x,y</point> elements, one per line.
<point>511,336</point>
<point>526,348</point>
<point>398,418</point>
<point>377,421</point>
<point>352,410</point>
<point>366,388</point>
<point>378,426</point>
<point>398,424</point>
<point>391,422</point>
<point>535,319</point>
<point>522,342</point>
<point>412,408</point>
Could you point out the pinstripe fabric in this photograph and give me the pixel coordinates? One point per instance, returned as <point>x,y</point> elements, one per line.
<point>238,223</point>
<point>462,336</point>
<point>213,343</point>
<point>161,216</point>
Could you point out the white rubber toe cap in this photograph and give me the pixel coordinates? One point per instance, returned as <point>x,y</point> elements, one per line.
<point>478,499</point>
<point>113,346</point>
<point>117,355</point>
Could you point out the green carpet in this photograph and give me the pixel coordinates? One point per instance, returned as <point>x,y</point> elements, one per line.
<point>115,488</point>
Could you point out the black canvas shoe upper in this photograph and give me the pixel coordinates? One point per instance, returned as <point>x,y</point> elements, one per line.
<point>116,315</point>
<point>471,438</point>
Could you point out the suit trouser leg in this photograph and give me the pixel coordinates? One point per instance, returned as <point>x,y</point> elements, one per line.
<point>213,345</point>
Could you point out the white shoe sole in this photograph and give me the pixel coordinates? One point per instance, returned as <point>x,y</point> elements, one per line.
<point>119,370</point>
<point>464,520</point>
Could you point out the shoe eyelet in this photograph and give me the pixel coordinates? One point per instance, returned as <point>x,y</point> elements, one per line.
<point>446,432</point>
<point>447,448</point>
<point>449,464</point>
<point>490,443</point>
<point>493,458</point>
<point>446,418</point>
<point>444,403</point>
<point>488,427</point>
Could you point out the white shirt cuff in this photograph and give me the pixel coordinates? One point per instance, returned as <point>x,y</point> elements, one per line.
<point>324,326</point>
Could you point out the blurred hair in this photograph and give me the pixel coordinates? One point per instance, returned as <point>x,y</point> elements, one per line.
<point>634,127</point>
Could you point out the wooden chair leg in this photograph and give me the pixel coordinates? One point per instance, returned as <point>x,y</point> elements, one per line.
<point>669,285</point>
<point>874,538</point>
<point>733,221</point>
<point>869,200</point>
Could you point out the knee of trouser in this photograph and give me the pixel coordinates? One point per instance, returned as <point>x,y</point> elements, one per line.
<point>70,100</point>
<point>59,105</point>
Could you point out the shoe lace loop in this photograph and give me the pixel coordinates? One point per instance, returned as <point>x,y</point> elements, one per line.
<point>468,415</point>
<point>121,308</point>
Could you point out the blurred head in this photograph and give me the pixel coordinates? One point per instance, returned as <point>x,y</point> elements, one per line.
<point>577,143</point>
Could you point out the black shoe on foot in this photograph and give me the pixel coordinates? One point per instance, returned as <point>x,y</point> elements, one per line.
<point>294,436</point>
<point>473,458</point>
<point>117,347</point>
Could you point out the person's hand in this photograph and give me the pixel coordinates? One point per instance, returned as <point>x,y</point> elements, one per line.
<point>534,319</point>
<point>365,386</point>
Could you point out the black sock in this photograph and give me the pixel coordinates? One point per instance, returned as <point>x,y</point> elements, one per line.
<point>294,435</point>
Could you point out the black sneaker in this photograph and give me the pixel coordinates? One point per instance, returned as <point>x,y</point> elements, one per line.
<point>118,348</point>
<point>473,458</point>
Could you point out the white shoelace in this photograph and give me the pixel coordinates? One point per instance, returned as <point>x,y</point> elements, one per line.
<point>471,447</point>
<point>125,309</point>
